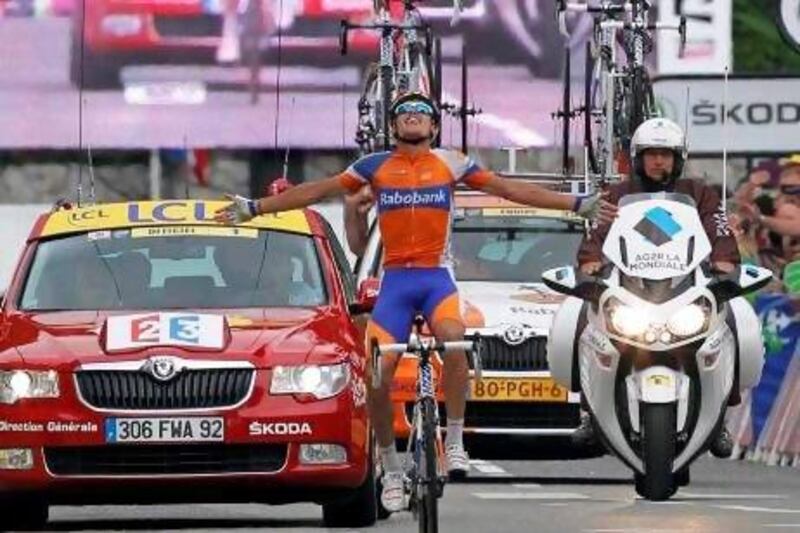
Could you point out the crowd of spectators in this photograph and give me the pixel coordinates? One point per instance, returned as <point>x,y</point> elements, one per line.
<point>764,213</point>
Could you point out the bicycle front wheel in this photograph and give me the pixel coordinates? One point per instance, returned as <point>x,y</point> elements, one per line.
<point>428,516</point>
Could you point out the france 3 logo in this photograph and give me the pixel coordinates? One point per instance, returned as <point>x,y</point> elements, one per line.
<point>165,329</point>
<point>185,328</point>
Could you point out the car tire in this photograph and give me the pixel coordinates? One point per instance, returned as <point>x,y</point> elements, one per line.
<point>359,510</point>
<point>23,513</point>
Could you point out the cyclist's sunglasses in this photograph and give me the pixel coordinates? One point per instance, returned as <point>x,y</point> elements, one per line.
<point>422,108</point>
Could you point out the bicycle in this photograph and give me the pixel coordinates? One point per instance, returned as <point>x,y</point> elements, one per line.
<point>617,97</point>
<point>425,450</point>
<point>408,62</point>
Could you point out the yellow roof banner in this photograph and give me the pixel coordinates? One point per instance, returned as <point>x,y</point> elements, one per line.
<point>160,213</point>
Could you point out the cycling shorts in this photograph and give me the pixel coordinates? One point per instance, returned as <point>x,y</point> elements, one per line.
<point>406,292</point>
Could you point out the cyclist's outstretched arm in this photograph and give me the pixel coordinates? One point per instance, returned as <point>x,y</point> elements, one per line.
<point>303,195</point>
<point>242,209</point>
<point>527,193</point>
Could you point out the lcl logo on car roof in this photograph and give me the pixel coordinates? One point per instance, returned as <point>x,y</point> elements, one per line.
<point>162,368</point>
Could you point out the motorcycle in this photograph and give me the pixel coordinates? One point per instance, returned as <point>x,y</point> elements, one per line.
<point>655,343</point>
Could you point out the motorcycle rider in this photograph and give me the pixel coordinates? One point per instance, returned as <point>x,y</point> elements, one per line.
<point>658,154</point>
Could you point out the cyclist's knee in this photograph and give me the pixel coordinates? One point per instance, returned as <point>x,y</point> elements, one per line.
<point>450,329</point>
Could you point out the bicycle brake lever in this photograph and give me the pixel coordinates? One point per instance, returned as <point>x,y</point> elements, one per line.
<point>477,358</point>
<point>377,368</point>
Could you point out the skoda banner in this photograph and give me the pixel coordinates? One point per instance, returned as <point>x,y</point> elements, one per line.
<point>763,113</point>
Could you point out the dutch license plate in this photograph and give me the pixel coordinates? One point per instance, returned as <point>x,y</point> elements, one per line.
<point>186,429</point>
<point>518,390</point>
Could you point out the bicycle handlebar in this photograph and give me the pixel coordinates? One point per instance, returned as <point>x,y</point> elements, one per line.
<point>472,348</point>
<point>412,347</point>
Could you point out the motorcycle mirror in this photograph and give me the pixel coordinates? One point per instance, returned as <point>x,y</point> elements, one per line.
<point>567,281</point>
<point>744,279</point>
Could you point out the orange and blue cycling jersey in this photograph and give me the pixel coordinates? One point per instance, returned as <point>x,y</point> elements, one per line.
<point>414,197</point>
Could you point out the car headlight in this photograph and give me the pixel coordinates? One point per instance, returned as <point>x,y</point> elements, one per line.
<point>626,320</point>
<point>19,384</point>
<point>690,320</point>
<point>321,381</point>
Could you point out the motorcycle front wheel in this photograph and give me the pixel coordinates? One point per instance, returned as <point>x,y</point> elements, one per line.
<point>659,441</point>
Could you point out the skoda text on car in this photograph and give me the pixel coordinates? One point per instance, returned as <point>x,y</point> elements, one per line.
<point>150,355</point>
<point>499,250</point>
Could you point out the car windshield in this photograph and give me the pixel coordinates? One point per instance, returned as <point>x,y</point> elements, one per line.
<point>174,268</point>
<point>512,248</point>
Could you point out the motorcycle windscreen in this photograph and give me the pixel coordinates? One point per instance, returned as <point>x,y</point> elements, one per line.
<point>657,236</point>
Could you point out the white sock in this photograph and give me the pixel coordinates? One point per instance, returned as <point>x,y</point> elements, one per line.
<point>390,460</point>
<point>455,432</point>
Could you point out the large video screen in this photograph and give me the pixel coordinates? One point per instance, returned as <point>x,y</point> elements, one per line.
<point>172,73</point>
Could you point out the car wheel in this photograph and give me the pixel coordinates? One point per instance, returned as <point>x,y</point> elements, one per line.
<point>359,510</point>
<point>28,513</point>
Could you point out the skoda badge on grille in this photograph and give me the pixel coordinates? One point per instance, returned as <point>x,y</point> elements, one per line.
<point>162,368</point>
<point>514,335</point>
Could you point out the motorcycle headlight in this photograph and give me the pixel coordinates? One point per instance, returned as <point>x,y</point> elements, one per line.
<point>19,384</point>
<point>690,320</point>
<point>321,381</point>
<point>626,320</point>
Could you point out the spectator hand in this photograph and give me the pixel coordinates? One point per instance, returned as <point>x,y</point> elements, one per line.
<point>241,209</point>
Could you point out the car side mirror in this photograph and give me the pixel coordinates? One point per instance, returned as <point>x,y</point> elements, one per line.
<point>567,281</point>
<point>366,296</point>
<point>744,279</point>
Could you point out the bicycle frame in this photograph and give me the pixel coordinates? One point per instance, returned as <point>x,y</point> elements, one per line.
<point>426,484</point>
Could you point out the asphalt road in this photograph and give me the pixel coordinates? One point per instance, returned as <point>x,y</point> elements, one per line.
<point>210,107</point>
<point>587,496</point>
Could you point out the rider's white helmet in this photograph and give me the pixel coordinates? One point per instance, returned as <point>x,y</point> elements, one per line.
<point>659,133</point>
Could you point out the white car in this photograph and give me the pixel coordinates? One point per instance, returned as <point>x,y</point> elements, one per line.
<point>500,250</point>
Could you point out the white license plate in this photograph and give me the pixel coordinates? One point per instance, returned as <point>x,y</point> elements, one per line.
<point>173,429</point>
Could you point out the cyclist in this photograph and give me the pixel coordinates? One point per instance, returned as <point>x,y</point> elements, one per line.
<point>658,156</point>
<point>413,185</point>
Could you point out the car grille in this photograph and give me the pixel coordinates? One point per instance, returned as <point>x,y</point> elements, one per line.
<point>194,26</point>
<point>514,415</point>
<point>191,389</point>
<point>529,356</point>
<point>154,459</point>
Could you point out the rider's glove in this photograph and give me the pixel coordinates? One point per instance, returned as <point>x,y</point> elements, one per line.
<point>241,209</point>
<point>587,206</point>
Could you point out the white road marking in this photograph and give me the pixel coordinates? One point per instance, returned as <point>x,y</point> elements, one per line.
<point>527,485</point>
<point>530,496</point>
<point>485,467</point>
<point>634,530</point>
<point>700,496</point>
<point>751,509</point>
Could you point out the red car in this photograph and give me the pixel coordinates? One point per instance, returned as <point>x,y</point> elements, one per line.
<point>113,33</point>
<point>150,355</point>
